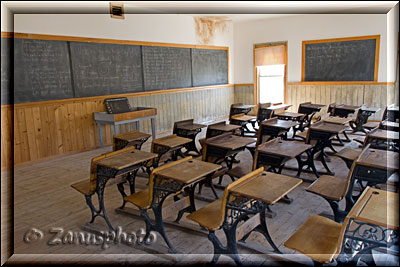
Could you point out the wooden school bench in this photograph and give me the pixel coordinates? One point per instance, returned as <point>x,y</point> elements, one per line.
<point>167,181</point>
<point>247,196</point>
<point>363,230</point>
<point>132,138</point>
<point>118,166</point>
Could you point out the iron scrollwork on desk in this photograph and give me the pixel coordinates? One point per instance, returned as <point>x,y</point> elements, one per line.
<point>361,238</point>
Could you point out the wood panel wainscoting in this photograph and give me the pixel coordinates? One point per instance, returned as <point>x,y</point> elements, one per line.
<point>32,132</point>
<point>373,95</point>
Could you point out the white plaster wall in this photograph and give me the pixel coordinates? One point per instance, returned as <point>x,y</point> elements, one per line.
<point>296,29</point>
<point>163,28</point>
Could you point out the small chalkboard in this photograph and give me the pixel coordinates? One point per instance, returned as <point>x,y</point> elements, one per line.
<point>6,70</point>
<point>41,70</point>
<point>209,66</point>
<point>345,59</point>
<point>117,105</point>
<point>166,67</point>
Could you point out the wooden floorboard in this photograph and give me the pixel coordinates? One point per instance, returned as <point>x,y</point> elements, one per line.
<point>43,199</point>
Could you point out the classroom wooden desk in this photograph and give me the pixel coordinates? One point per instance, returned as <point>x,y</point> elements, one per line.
<point>242,120</point>
<point>344,110</point>
<point>310,108</point>
<point>171,143</point>
<point>342,121</point>
<point>189,130</point>
<point>220,128</point>
<point>372,223</point>
<point>378,137</point>
<point>362,118</point>
<point>374,167</point>
<point>277,152</point>
<point>132,138</point>
<point>293,116</point>
<point>227,146</point>
<point>110,167</point>
<point>323,133</point>
<point>265,189</point>
<point>171,180</point>
<point>140,113</point>
<point>242,109</point>
<point>275,128</point>
<point>389,126</point>
<point>279,108</point>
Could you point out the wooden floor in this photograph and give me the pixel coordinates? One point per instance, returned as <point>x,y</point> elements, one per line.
<point>43,199</point>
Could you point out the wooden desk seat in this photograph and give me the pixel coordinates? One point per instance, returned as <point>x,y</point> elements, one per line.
<point>303,134</point>
<point>334,189</point>
<point>144,198</point>
<point>212,215</point>
<point>371,125</point>
<point>88,186</point>
<point>348,155</point>
<point>319,238</point>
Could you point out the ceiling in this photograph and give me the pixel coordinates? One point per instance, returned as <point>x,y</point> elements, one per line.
<point>237,11</point>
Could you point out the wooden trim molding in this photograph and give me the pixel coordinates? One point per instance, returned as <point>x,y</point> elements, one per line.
<point>341,83</point>
<point>139,94</point>
<point>102,40</point>
<point>377,37</point>
<point>243,84</point>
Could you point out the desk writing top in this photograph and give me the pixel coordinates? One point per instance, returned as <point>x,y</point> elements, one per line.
<point>329,127</point>
<point>383,134</point>
<point>192,127</point>
<point>347,107</point>
<point>381,159</point>
<point>243,118</point>
<point>314,106</point>
<point>131,136</point>
<point>290,114</point>
<point>392,124</point>
<point>377,207</point>
<point>283,148</point>
<point>370,109</point>
<point>393,108</point>
<point>189,171</point>
<point>244,106</point>
<point>225,127</point>
<point>231,142</point>
<point>337,120</point>
<point>281,124</point>
<point>267,187</point>
<point>126,159</point>
<point>281,106</point>
<point>172,141</point>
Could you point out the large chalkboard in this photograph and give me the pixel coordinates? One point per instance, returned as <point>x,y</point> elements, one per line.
<point>6,67</point>
<point>209,67</point>
<point>105,69</point>
<point>166,67</point>
<point>41,70</point>
<point>349,60</point>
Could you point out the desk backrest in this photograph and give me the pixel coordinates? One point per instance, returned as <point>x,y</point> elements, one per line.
<point>310,132</point>
<point>263,113</point>
<point>181,123</point>
<point>226,198</point>
<point>93,165</point>
<point>232,109</point>
<point>208,151</point>
<point>257,157</point>
<point>209,131</point>
<point>262,133</point>
<point>300,109</point>
<point>154,173</point>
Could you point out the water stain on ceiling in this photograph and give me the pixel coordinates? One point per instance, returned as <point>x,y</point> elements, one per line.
<point>207,26</point>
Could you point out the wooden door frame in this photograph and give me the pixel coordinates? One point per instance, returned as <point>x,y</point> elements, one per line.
<point>255,92</point>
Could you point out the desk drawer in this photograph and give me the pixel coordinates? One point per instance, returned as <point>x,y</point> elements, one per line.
<point>370,174</point>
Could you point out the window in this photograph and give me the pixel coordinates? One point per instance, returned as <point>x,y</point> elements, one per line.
<point>271,80</point>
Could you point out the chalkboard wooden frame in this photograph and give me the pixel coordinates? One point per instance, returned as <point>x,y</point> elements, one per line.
<point>122,42</point>
<point>377,45</point>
